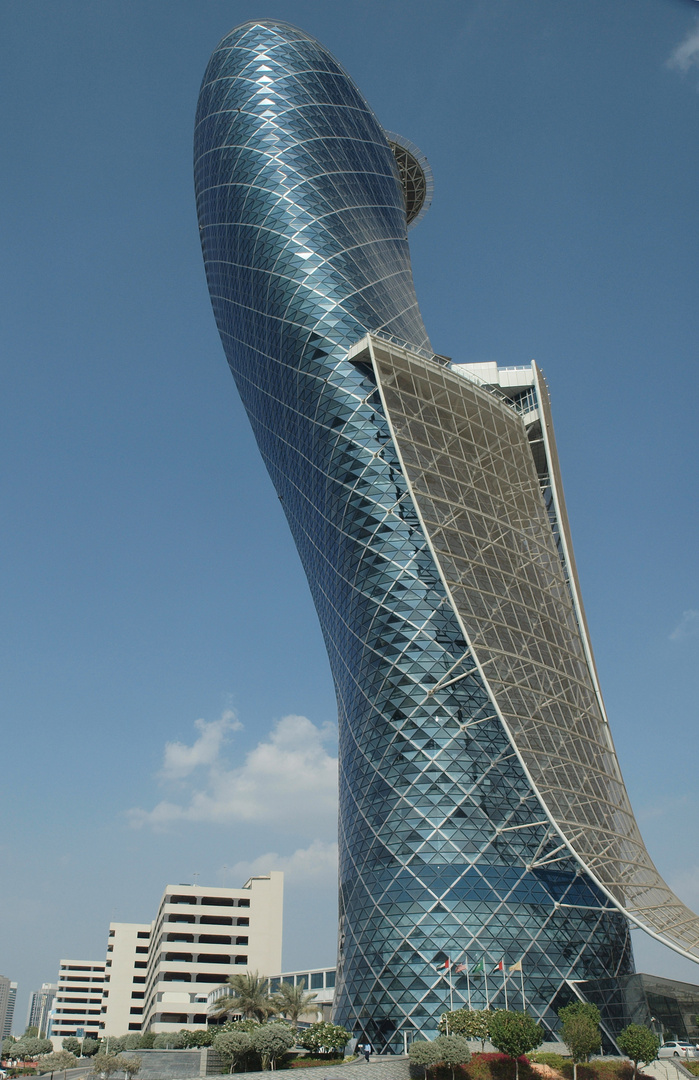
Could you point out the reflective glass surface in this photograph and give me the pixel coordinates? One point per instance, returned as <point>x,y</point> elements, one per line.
<point>304,233</point>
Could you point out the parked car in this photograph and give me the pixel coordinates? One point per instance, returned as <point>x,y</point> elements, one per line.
<point>678,1049</point>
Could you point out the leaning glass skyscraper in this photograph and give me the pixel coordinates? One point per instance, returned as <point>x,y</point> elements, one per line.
<point>484,823</point>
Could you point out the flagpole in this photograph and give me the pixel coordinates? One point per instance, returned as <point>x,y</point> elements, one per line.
<point>485,980</point>
<point>451,991</point>
<point>521,976</point>
<point>468,986</point>
<point>504,981</point>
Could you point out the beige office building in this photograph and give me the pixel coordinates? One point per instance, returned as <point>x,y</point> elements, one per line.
<point>159,975</point>
<point>77,1006</point>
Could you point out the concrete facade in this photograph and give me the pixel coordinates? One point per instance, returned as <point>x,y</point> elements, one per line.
<point>78,1001</point>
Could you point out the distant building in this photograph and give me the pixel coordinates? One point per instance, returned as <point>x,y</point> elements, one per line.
<point>159,974</point>
<point>8,996</point>
<point>77,1005</point>
<point>40,1006</point>
<point>318,981</point>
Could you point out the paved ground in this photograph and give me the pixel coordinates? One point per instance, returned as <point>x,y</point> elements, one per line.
<point>379,1068</point>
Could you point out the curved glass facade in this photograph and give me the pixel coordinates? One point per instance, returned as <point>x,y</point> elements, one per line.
<point>447,849</point>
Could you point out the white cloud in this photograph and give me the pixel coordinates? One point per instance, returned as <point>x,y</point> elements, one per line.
<point>180,760</point>
<point>317,863</point>
<point>686,55</point>
<point>686,627</point>
<point>288,780</point>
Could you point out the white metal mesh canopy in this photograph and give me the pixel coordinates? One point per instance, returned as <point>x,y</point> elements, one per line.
<point>468,461</point>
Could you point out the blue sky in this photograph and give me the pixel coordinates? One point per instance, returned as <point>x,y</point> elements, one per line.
<point>167,703</point>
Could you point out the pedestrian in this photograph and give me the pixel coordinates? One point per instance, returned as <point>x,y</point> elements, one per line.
<point>367,1051</point>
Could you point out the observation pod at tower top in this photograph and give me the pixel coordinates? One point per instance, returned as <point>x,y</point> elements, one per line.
<point>483,818</point>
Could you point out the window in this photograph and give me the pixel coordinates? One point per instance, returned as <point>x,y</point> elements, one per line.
<point>139,978</point>
<point>136,1010</point>
<point>216,920</point>
<point>215,939</point>
<point>173,1018</point>
<point>241,960</point>
<point>242,922</point>
<point>138,994</point>
<point>181,918</point>
<point>214,958</point>
<point>317,980</point>
<point>143,934</point>
<point>241,941</point>
<point>180,937</point>
<point>208,977</point>
<point>111,934</point>
<point>329,978</point>
<point>142,948</point>
<point>218,901</point>
<point>243,903</point>
<point>176,976</point>
<point>184,957</point>
<point>181,900</point>
<point>134,1027</point>
<point>140,964</point>
<point>200,1018</point>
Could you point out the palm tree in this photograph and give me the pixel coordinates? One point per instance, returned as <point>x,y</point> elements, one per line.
<point>247,994</point>
<point>293,1001</point>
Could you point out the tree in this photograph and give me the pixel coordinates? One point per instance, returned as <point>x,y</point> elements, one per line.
<point>324,1038</point>
<point>105,1065</point>
<point>32,1032</point>
<point>57,1061</point>
<point>233,1046</point>
<point>147,1040</point>
<point>272,1041</point>
<point>293,1001</point>
<point>452,1050</point>
<point>71,1044</point>
<point>471,1023</point>
<point>580,1031</point>
<point>8,1044</point>
<point>422,1054</point>
<point>249,995</point>
<point>515,1034</point>
<point>130,1064</point>
<point>90,1047</point>
<point>639,1044</point>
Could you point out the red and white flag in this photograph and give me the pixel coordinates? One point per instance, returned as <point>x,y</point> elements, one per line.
<point>447,963</point>
<point>460,967</point>
<point>500,966</point>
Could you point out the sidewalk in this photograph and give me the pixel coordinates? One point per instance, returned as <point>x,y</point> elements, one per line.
<point>379,1068</point>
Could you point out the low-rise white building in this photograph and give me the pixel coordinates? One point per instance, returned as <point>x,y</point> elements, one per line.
<point>77,1006</point>
<point>159,974</point>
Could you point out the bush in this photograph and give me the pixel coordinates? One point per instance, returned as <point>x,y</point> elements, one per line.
<point>554,1061</point>
<point>324,1037</point>
<point>272,1041</point>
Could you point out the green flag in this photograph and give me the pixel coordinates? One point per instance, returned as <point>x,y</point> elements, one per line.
<point>478,969</point>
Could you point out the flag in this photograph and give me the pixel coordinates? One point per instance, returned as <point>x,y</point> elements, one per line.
<point>500,966</point>
<point>517,966</point>
<point>446,965</point>
<point>460,967</point>
<point>478,969</point>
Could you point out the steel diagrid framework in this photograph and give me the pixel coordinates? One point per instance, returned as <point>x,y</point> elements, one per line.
<point>483,817</point>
